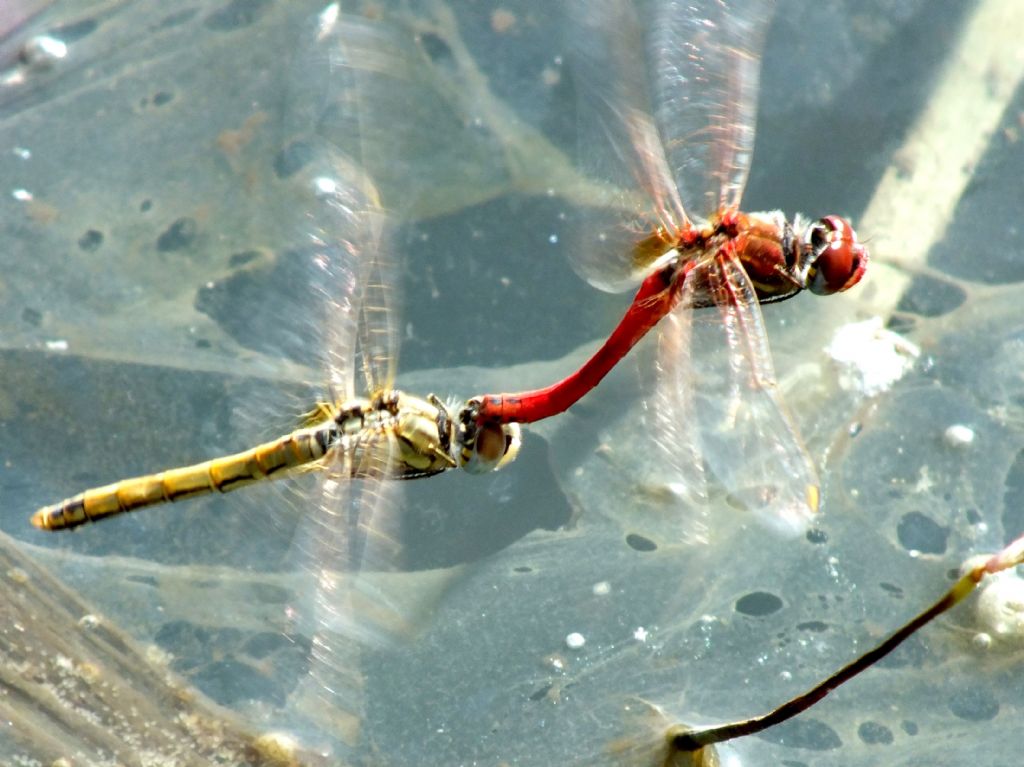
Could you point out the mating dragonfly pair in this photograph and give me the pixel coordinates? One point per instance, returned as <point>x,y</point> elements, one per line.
<point>697,145</point>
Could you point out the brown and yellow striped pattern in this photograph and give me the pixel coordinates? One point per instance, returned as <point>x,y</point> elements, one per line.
<point>220,475</point>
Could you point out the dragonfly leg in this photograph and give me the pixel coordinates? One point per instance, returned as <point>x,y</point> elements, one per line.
<point>445,428</point>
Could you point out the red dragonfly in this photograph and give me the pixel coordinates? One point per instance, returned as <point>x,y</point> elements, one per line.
<point>668,108</point>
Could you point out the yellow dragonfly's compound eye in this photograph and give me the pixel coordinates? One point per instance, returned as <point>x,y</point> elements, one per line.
<point>513,435</point>
<point>495,446</point>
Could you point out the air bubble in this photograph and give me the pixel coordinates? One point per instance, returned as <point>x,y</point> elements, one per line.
<point>958,435</point>
<point>981,641</point>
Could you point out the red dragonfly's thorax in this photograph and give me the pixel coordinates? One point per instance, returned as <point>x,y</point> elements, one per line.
<point>781,259</point>
<point>766,245</point>
<point>764,242</point>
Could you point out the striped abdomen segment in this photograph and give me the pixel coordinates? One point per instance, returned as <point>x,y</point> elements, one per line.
<point>221,475</point>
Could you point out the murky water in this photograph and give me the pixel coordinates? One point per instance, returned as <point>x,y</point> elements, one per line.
<point>151,194</point>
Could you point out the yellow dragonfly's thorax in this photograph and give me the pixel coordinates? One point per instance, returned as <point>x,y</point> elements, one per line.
<point>394,435</point>
<point>416,437</point>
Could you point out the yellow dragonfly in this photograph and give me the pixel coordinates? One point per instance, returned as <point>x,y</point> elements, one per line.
<point>349,536</point>
<point>388,434</point>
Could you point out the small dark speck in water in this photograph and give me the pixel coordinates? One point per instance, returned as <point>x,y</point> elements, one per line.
<point>918,532</point>
<point>146,206</point>
<point>974,704</point>
<point>178,236</point>
<point>147,580</point>
<point>541,693</point>
<point>892,588</point>
<point>522,569</point>
<point>243,258</point>
<point>162,97</point>
<point>758,604</point>
<point>91,240</point>
<point>816,626</point>
<point>435,47</point>
<point>640,543</point>
<point>69,33</point>
<point>817,536</point>
<point>202,343</point>
<point>875,734</point>
<point>31,316</point>
<point>909,727</point>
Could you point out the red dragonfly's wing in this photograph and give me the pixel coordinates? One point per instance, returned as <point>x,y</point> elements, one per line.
<point>747,438</point>
<point>620,148</point>
<point>679,462</point>
<point>704,69</point>
<point>667,95</point>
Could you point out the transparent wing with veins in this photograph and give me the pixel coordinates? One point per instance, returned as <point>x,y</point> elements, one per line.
<point>377,339</point>
<point>735,413</point>
<point>704,70</point>
<point>353,546</point>
<point>350,533</point>
<point>676,430</point>
<point>666,101</point>
<point>619,142</point>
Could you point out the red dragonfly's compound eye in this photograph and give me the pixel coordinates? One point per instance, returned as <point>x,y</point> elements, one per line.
<point>839,260</point>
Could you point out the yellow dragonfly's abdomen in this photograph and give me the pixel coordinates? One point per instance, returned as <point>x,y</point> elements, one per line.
<point>220,475</point>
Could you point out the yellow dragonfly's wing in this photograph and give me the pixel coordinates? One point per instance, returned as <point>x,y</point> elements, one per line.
<point>349,536</point>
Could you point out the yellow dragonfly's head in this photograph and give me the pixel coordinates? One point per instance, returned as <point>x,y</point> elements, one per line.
<point>482,446</point>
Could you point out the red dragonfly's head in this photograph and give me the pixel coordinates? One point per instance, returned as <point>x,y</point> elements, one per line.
<point>835,259</point>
